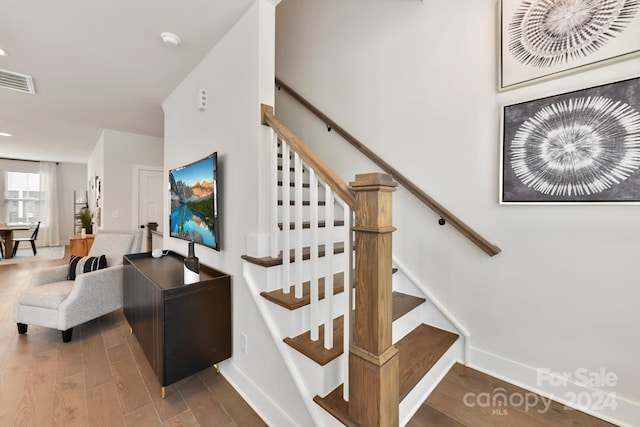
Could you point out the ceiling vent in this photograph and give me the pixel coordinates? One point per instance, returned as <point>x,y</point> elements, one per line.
<point>15,81</point>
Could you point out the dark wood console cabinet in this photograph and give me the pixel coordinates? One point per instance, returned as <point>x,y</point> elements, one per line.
<point>182,329</point>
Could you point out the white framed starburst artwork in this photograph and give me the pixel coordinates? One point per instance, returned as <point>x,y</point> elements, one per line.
<point>542,39</point>
<point>576,147</point>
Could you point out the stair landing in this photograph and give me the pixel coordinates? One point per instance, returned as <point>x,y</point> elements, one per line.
<point>446,405</point>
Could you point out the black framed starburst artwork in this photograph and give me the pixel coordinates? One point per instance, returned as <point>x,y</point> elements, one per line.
<point>576,147</point>
<point>541,39</point>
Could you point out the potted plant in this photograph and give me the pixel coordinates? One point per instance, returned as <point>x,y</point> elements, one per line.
<point>86,220</point>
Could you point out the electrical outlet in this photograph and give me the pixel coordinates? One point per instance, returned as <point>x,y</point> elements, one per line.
<point>244,342</point>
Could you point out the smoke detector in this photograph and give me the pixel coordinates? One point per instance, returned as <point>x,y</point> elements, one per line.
<point>170,39</point>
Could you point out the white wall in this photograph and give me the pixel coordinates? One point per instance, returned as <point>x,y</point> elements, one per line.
<point>416,82</point>
<point>95,167</point>
<point>113,161</point>
<point>234,74</point>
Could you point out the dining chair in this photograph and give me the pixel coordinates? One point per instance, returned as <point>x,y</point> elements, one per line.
<point>32,240</point>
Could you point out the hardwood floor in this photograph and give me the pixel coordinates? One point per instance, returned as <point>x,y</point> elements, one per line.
<point>447,405</point>
<point>100,378</point>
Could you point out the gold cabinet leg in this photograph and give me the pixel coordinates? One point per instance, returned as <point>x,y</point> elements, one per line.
<point>217,365</point>
<point>163,393</point>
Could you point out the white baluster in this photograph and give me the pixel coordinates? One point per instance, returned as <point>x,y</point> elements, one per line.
<point>349,299</point>
<point>286,219</point>
<point>273,174</point>
<point>328,278</point>
<point>314,289</point>
<point>297,232</point>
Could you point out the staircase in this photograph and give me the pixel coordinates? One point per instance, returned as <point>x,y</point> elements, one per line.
<point>306,294</point>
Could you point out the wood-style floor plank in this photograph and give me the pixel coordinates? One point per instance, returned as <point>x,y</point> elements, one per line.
<point>97,370</point>
<point>103,406</point>
<point>205,408</point>
<point>36,405</point>
<point>69,403</point>
<point>428,416</point>
<point>448,405</point>
<point>232,402</point>
<point>99,379</point>
<point>183,419</point>
<point>132,393</point>
<point>143,417</point>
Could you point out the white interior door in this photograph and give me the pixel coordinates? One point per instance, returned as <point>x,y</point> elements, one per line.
<point>150,197</point>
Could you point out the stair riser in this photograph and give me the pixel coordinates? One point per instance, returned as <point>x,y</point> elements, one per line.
<point>324,378</point>
<point>296,322</point>
<point>406,323</point>
<point>429,313</point>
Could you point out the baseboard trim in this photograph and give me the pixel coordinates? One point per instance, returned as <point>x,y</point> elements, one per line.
<point>625,414</point>
<point>266,408</point>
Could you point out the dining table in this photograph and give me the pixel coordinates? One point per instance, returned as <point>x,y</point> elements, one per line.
<point>6,232</point>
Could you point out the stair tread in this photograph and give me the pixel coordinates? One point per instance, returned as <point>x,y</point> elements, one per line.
<point>290,302</point>
<point>314,350</point>
<point>338,248</point>
<point>422,348</point>
<point>419,350</point>
<point>307,224</point>
<point>404,303</point>
<point>334,404</point>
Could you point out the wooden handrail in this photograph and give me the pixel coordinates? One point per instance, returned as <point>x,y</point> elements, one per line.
<point>444,213</point>
<point>308,157</point>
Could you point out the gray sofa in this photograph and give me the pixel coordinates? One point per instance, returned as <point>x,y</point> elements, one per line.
<point>55,302</point>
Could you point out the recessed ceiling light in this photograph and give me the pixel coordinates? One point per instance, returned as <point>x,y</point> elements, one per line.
<point>5,134</point>
<point>170,39</point>
<point>3,53</point>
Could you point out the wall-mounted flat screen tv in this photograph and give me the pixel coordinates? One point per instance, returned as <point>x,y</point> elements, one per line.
<point>194,202</point>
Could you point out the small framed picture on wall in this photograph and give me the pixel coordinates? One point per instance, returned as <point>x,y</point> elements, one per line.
<point>542,39</point>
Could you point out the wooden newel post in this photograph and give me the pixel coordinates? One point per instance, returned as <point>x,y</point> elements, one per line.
<point>373,360</point>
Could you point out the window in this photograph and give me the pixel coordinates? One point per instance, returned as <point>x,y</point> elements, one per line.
<point>22,198</point>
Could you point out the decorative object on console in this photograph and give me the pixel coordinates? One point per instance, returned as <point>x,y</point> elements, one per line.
<point>194,202</point>
<point>191,266</point>
<point>576,147</point>
<point>543,39</point>
<point>156,253</point>
<point>86,220</point>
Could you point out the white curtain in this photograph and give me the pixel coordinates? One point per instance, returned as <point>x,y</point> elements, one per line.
<point>49,233</point>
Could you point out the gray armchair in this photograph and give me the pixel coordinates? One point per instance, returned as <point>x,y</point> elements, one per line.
<point>55,302</point>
